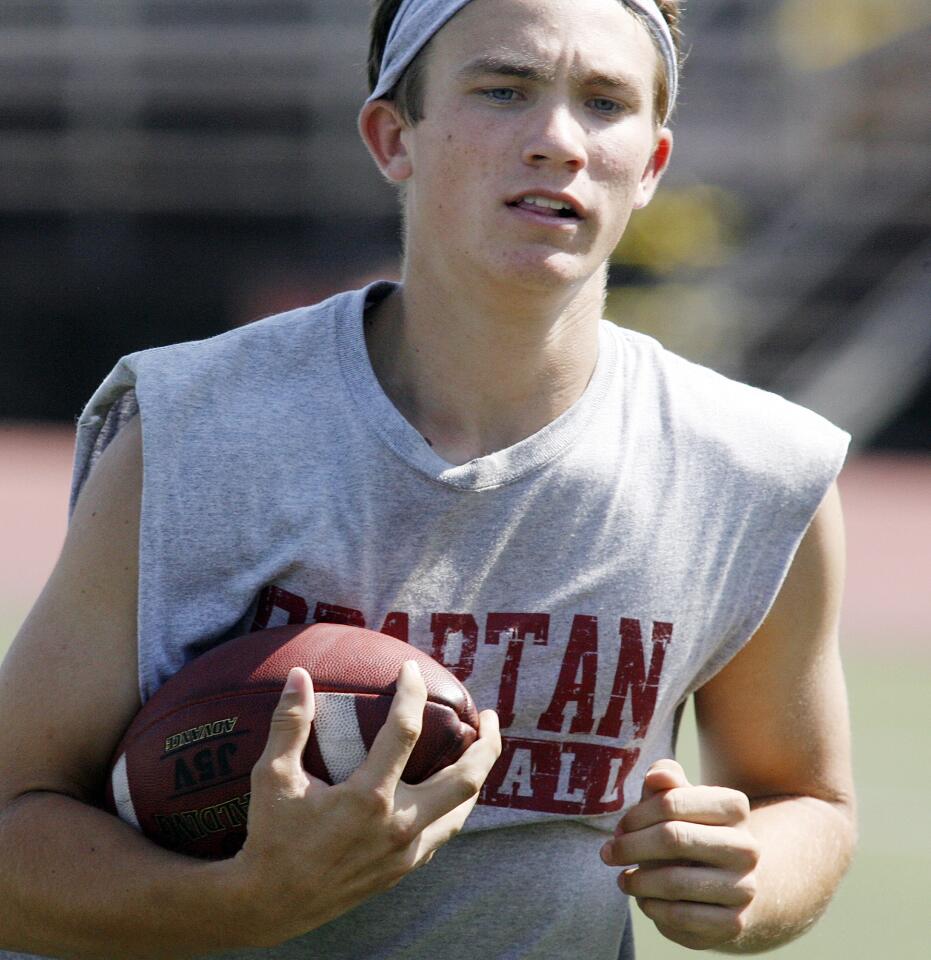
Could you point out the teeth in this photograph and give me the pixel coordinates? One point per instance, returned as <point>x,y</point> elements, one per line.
<point>546,202</point>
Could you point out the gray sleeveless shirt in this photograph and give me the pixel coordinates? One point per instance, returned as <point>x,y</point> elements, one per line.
<point>583,582</point>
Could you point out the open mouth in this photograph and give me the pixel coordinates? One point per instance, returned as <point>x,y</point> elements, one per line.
<point>557,209</point>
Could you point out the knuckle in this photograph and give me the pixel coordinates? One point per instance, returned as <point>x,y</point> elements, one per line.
<point>673,834</point>
<point>653,909</point>
<point>470,783</point>
<point>669,805</point>
<point>734,925</point>
<point>378,803</point>
<point>287,716</point>
<point>289,709</point>
<point>372,803</point>
<point>407,730</point>
<point>632,885</point>
<point>280,769</point>
<point>745,891</point>
<point>401,833</point>
<point>748,854</point>
<point>739,805</point>
<point>619,851</point>
<point>267,770</point>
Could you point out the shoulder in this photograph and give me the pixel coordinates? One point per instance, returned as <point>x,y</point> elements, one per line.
<point>278,341</point>
<point>210,358</point>
<point>722,422</point>
<point>691,387</point>
<point>242,373</point>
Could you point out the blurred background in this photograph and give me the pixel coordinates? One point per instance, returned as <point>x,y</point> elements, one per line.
<point>173,168</point>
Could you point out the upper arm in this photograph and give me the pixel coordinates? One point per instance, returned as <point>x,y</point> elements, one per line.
<point>68,685</point>
<point>774,720</point>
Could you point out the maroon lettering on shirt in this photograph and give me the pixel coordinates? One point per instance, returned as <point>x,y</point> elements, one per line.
<point>396,624</point>
<point>455,639</point>
<point>516,628</point>
<point>272,598</point>
<point>558,777</point>
<point>334,613</point>
<point>581,656</point>
<point>632,678</point>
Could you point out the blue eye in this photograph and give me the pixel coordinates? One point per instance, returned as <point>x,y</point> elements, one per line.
<point>604,105</point>
<point>500,94</point>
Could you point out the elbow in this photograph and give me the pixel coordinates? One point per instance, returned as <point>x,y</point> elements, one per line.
<point>843,807</point>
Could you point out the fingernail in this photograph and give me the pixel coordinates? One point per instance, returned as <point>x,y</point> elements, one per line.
<point>293,683</point>
<point>606,851</point>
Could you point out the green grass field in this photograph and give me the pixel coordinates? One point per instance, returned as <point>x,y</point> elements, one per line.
<point>882,908</point>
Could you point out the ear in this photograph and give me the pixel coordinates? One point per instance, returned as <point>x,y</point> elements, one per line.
<point>655,168</point>
<point>382,129</point>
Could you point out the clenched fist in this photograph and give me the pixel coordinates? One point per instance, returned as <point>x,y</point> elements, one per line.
<point>689,857</point>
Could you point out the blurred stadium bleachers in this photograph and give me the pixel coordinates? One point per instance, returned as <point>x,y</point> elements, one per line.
<point>169,168</point>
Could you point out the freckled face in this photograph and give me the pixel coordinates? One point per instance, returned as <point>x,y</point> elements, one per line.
<point>537,133</point>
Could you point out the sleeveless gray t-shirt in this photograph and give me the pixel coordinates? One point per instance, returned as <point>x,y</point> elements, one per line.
<point>583,582</point>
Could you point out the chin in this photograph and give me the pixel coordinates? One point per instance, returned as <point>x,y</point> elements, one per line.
<point>545,272</point>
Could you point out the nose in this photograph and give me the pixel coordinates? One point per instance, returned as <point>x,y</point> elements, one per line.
<point>555,138</point>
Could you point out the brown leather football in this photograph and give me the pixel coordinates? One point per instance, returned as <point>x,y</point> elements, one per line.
<point>181,772</point>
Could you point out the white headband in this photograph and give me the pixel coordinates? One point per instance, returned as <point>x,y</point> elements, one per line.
<point>417,21</point>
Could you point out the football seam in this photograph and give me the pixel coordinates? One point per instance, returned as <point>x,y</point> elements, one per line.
<point>124,742</point>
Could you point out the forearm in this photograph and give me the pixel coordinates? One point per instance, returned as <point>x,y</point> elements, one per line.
<point>806,846</point>
<point>76,882</point>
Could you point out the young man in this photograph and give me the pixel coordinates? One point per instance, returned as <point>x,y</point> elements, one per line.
<point>583,527</point>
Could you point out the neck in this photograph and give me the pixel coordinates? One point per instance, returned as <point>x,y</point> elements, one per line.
<point>474,371</point>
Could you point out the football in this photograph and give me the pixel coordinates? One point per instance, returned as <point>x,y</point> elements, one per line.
<point>181,773</point>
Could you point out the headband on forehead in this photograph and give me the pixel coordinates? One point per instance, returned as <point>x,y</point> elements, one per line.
<point>417,21</point>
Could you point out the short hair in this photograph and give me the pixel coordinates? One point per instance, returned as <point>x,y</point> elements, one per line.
<point>408,93</point>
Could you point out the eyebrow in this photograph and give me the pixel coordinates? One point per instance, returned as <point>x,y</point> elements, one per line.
<point>526,69</point>
<point>538,71</point>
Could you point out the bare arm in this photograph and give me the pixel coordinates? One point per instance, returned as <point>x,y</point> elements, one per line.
<point>67,690</point>
<point>774,724</point>
<point>768,846</point>
<point>76,881</point>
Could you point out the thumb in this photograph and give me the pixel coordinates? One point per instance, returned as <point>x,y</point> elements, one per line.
<point>663,775</point>
<point>290,724</point>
